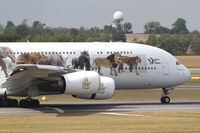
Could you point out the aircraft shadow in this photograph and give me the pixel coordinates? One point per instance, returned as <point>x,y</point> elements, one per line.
<point>80,109</point>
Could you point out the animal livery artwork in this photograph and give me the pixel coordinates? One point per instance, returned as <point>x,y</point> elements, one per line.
<point>114,62</point>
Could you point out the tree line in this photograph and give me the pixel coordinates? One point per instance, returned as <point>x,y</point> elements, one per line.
<point>40,32</point>
<point>178,40</point>
<point>178,27</point>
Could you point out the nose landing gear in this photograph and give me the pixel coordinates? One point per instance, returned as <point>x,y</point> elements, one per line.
<point>165,99</point>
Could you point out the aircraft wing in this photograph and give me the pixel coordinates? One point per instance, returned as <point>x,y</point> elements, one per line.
<point>26,75</point>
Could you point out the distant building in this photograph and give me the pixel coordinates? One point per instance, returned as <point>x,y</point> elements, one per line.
<point>138,37</point>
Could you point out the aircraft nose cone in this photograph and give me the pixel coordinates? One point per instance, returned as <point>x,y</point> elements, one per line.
<point>187,74</point>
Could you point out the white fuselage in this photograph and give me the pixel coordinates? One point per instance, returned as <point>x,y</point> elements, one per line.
<point>158,68</point>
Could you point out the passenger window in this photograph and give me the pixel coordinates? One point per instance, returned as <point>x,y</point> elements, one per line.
<point>178,63</point>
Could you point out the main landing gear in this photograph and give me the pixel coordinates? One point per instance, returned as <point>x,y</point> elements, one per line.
<point>25,103</point>
<point>165,99</point>
<point>7,102</point>
<point>28,102</point>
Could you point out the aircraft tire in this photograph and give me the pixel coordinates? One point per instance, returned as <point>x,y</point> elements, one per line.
<point>35,103</point>
<point>4,103</point>
<point>25,103</point>
<point>12,102</point>
<point>165,100</point>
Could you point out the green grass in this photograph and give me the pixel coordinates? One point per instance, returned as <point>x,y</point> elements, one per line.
<point>156,122</point>
<point>195,72</point>
<point>193,66</point>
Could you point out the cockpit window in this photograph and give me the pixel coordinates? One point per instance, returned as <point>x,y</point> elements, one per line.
<point>178,63</point>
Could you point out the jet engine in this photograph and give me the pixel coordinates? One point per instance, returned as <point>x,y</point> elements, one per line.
<point>81,83</point>
<point>106,90</point>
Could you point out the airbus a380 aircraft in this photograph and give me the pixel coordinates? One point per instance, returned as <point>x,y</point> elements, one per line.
<point>84,70</point>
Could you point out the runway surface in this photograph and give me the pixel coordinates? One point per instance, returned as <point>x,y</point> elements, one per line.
<point>91,108</point>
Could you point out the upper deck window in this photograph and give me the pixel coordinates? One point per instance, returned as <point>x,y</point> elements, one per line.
<point>178,63</point>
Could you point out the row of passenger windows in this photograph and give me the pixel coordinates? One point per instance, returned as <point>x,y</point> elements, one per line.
<point>127,52</point>
<point>144,68</point>
<point>61,52</point>
<point>38,52</point>
<point>140,68</point>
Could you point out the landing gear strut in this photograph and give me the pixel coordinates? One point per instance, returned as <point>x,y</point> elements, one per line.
<point>28,102</point>
<point>165,99</point>
<point>7,102</point>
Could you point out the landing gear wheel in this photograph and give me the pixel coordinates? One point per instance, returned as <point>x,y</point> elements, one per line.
<point>12,103</point>
<point>25,103</point>
<point>165,99</point>
<point>35,103</point>
<point>8,102</point>
<point>4,103</point>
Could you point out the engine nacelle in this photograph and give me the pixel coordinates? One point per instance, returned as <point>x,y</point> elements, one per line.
<point>82,83</point>
<point>105,91</point>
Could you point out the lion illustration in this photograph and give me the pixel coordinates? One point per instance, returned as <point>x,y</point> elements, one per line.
<point>131,61</point>
<point>30,58</point>
<point>111,62</point>
<point>6,52</point>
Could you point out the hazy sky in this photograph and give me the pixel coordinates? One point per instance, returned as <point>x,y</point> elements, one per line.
<point>89,13</point>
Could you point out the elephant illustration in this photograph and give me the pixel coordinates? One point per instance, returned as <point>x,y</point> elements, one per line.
<point>6,52</point>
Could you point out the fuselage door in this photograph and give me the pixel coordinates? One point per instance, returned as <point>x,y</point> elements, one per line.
<point>165,68</point>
